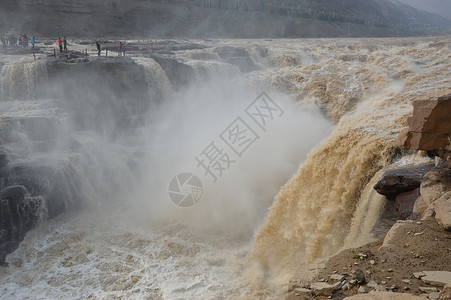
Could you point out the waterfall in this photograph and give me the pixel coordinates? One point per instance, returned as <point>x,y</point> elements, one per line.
<point>158,83</point>
<point>23,80</point>
<point>312,213</point>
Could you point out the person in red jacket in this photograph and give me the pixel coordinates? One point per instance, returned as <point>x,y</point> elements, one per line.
<point>60,44</point>
<point>119,49</point>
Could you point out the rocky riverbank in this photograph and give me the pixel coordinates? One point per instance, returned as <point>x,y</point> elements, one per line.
<point>413,260</point>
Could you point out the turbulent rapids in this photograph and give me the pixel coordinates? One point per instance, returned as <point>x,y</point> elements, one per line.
<point>90,145</point>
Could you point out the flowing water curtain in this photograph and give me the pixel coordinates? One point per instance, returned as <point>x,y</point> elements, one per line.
<point>24,80</point>
<point>312,213</point>
<point>158,84</point>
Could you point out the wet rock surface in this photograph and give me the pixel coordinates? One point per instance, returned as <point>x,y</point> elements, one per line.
<point>32,192</point>
<point>178,73</point>
<point>236,56</point>
<point>19,212</point>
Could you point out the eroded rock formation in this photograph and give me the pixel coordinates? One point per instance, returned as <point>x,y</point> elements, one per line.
<point>429,129</point>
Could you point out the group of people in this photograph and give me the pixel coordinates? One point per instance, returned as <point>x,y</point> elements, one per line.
<point>62,43</point>
<point>14,41</point>
<point>120,49</point>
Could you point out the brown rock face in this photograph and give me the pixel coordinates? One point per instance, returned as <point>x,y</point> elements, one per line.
<point>435,197</point>
<point>430,125</point>
<point>442,209</point>
<point>405,202</point>
<point>434,185</point>
<point>445,155</point>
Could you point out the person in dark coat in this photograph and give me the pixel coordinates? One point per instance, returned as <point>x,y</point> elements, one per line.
<point>98,48</point>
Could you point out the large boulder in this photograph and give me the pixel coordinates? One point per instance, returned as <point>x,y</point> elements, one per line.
<point>434,185</point>
<point>400,180</point>
<point>392,235</point>
<point>435,199</point>
<point>442,208</point>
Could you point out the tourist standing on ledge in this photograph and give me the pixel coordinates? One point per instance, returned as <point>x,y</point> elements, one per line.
<point>119,49</point>
<point>98,48</point>
<point>60,44</point>
<point>65,44</point>
<point>32,42</point>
